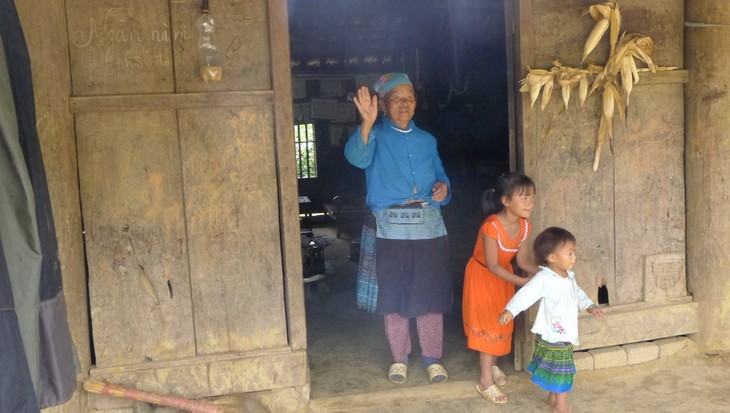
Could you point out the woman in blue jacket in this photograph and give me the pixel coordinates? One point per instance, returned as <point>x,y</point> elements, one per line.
<point>406,185</point>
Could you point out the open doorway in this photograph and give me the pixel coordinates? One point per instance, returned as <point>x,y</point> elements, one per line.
<point>454,51</point>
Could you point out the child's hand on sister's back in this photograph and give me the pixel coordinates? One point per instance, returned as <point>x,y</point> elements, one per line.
<point>505,317</point>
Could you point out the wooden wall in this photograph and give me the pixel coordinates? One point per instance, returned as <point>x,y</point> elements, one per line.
<point>708,28</point>
<point>628,216</point>
<point>186,191</point>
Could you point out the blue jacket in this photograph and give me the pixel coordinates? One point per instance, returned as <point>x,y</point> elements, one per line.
<point>399,164</point>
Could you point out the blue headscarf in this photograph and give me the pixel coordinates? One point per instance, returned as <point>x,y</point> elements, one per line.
<point>388,81</point>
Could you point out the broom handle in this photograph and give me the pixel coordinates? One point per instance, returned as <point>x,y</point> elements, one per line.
<point>194,406</point>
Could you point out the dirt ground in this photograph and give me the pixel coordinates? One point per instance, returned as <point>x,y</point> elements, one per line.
<point>348,359</point>
<point>686,382</point>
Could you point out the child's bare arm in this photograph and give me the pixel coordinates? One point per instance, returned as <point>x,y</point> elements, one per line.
<point>525,260</point>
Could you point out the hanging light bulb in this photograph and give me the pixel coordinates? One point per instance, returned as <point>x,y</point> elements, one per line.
<point>209,60</point>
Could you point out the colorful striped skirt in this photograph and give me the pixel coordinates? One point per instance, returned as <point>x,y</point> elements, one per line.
<point>367,281</point>
<point>552,366</point>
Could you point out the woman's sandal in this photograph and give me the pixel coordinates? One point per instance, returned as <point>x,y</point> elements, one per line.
<point>398,373</point>
<point>437,373</point>
<point>493,394</point>
<point>498,376</point>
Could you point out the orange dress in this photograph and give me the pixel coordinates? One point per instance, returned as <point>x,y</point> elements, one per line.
<point>486,295</point>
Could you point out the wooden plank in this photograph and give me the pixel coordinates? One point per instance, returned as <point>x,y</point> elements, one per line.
<point>121,48</point>
<point>511,49</point>
<point>524,55</point>
<point>259,373</point>
<point>139,289</point>
<point>525,129</point>
<point>663,21</point>
<point>229,175</point>
<point>708,171</point>
<point>98,371</point>
<point>639,322</point>
<point>242,37</point>
<point>286,167</point>
<point>649,185</point>
<point>203,377</point>
<point>163,101</point>
<point>663,77</point>
<point>560,28</point>
<point>570,194</point>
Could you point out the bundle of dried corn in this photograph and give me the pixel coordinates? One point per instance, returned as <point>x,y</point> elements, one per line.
<point>567,77</point>
<point>623,54</point>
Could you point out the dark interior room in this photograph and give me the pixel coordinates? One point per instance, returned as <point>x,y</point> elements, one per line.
<point>454,52</point>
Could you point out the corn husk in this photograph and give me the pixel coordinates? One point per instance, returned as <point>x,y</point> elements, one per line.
<point>611,102</point>
<point>606,15</point>
<point>547,91</point>
<point>583,90</point>
<point>594,37</point>
<point>605,129</point>
<point>535,81</point>
<point>629,76</point>
<point>615,27</point>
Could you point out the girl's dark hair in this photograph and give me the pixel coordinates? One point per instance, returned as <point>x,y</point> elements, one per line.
<point>548,241</point>
<point>507,185</point>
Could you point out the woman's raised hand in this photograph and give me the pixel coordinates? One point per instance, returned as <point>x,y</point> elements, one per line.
<point>367,105</point>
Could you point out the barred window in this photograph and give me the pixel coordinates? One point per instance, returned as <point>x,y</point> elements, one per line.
<point>305,150</point>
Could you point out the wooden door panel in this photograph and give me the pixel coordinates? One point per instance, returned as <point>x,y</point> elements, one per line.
<point>242,37</point>
<point>231,198</point>
<point>649,153</point>
<point>132,206</point>
<point>121,47</point>
<point>189,197</point>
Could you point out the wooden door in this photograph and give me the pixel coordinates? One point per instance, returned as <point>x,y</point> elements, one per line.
<point>188,196</point>
<point>628,214</point>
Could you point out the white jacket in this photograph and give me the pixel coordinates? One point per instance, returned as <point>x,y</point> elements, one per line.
<point>560,301</point>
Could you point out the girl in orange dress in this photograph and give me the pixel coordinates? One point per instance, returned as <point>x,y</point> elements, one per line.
<point>489,281</point>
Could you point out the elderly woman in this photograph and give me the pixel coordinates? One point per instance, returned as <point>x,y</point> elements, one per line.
<point>406,185</point>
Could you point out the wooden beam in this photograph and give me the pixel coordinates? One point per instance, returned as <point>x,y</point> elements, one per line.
<point>633,323</point>
<point>286,167</point>
<point>663,77</point>
<point>116,103</point>
<point>214,375</point>
<point>97,372</point>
